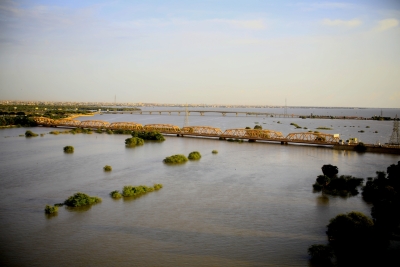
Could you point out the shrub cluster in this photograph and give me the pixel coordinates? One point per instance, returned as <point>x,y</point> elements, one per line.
<point>30,134</point>
<point>135,191</point>
<point>81,199</point>
<point>295,125</point>
<point>154,135</point>
<point>107,168</point>
<point>115,194</point>
<point>50,209</point>
<point>69,149</point>
<point>134,141</point>
<point>329,183</point>
<point>195,155</point>
<point>324,128</point>
<point>120,131</point>
<point>234,140</point>
<point>214,151</point>
<point>179,158</point>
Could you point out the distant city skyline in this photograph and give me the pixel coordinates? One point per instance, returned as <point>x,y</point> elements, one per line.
<point>312,53</point>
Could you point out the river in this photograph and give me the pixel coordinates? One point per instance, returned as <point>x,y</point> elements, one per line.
<point>251,204</point>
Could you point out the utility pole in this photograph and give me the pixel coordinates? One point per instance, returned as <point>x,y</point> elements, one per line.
<point>395,138</point>
<point>186,123</point>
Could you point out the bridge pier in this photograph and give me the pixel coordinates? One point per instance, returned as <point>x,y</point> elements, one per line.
<point>223,113</point>
<point>202,113</point>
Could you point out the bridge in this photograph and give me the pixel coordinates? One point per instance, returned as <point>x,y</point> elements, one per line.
<point>203,112</point>
<point>201,131</point>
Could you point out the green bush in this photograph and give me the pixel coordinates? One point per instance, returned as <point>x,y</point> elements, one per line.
<point>324,128</point>
<point>179,158</point>
<point>109,131</point>
<point>195,155</point>
<point>107,168</point>
<point>295,125</point>
<point>214,151</point>
<point>120,131</point>
<point>50,209</point>
<point>158,186</point>
<point>258,127</point>
<point>235,140</point>
<point>54,132</point>
<point>30,134</point>
<point>154,135</point>
<point>69,149</point>
<point>134,191</point>
<point>134,141</point>
<point>81,199</point>
<point>115,194</point>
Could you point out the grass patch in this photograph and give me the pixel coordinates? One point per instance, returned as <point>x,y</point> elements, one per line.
<point>107,168</point>
<point>214,151</point>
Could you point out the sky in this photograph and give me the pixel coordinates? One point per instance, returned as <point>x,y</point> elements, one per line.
<point>250,52</point>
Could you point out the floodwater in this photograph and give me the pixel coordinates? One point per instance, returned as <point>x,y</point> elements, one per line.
<point>251,204</point>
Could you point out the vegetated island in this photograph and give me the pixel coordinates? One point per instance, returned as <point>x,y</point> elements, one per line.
<point>107,168</point>
<point>30,134</point>
<point>195,155</point>
<point>50,209</point>
<point>329,183</point>
<point>77,200</point>
<point>354,239</point>
<point>153,135</point>
<point>134,141</point>
<point>69,149</point>
<point>81,199</point>
<point>135,191</point>
<point>175,159</point>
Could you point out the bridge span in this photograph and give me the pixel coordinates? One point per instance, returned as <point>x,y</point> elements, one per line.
<point>200,131</point>
<point>203,112</point>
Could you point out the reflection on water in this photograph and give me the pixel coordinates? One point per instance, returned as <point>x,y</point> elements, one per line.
<point>249,205</point>
<point>322,200</point>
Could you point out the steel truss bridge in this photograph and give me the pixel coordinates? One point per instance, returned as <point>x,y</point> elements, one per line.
<point>201,131</point>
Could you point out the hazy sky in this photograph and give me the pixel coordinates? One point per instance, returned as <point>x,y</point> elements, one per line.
<point>313,53</point>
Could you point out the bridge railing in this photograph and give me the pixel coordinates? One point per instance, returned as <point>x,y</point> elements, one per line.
<point>252,134</point>
<point>313,137</point>
<point>126,126</point>
<point>162,128</point>
<point>201,131</point>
